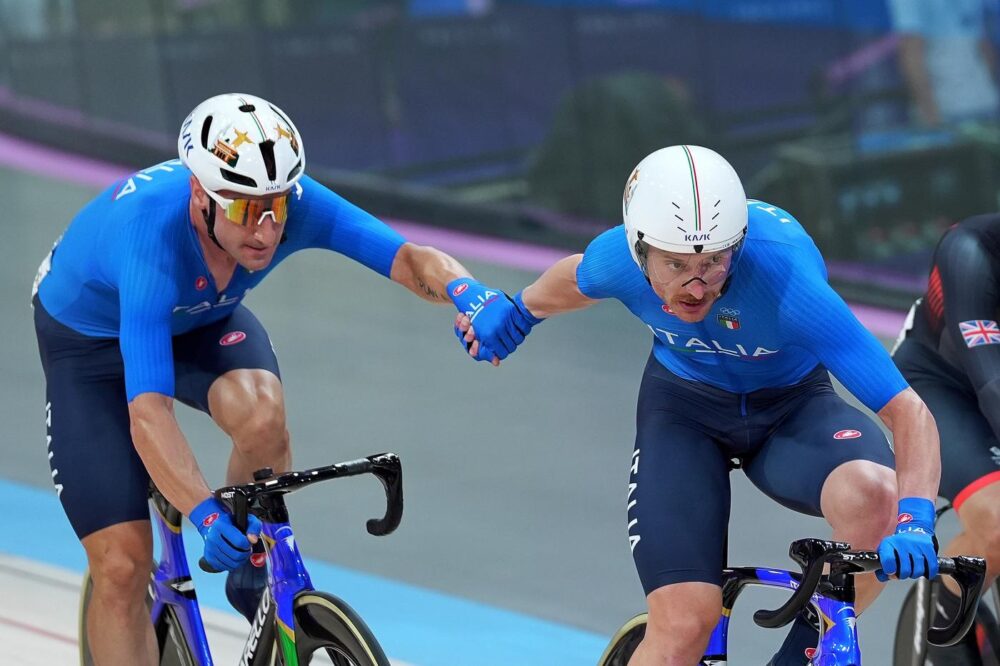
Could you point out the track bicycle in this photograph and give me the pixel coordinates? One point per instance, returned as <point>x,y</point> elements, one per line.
<point>910,646</point>
<point>293,620</point>
<point>831,596</point>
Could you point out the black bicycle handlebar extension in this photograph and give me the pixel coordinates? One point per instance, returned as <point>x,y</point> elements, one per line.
<point>814,554</point>
<point>384,466</point>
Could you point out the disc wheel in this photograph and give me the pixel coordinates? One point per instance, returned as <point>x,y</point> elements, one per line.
<point>326,625</point>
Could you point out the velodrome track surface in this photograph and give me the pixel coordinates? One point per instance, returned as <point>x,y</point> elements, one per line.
<point>513,545</point>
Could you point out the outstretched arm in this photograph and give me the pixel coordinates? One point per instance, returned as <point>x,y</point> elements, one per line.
<point>556,291</point>
<point>426,271</point>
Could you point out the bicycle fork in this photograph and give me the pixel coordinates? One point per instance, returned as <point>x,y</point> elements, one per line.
<point>274,622</point>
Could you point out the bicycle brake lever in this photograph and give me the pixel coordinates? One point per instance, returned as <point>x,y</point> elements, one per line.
<point>387,468</point>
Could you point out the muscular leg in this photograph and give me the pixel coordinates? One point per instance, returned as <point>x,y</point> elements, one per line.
<point>118,625</point>
<point>980,516</point>
<point>249,406</point>
<point>859,502</point>
<point>681,619</point>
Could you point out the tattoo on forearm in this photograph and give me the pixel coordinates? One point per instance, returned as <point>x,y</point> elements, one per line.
<point>431,292</point>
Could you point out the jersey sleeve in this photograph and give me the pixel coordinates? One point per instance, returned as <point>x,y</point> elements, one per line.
<point>814,317</point>
<point>607,269</point>
<point>147,295</point>
<point>333,223</point>
<point>971,298</point>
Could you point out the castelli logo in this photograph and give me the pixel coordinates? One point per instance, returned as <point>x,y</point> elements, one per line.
<point>666,308</point>
<point>460,289</point>
<point>201,283</point>
<point>209,519</point>
<point>233,338</point>
<point>258,559</point>
<point>847,434</point>
<point>904,518</point>
<point>810,653</point>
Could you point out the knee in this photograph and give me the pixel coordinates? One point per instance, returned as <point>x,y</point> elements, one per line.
<point>859,499</point>
<point>677,622</point>
<point>264,431</point>
<point>120,574</point>
<point>984,524</point>
<point>250,407</point>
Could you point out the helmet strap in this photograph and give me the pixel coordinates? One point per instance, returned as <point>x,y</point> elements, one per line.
<point>209,216</point>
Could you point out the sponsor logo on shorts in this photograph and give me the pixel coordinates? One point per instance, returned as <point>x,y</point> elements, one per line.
<point>904,518</point>
<point>847,434</point>
<point>232,338</point>
<point>258,559</point>
<point>209,519</point>
<point>201,283</point>
<point>460,289</point>
<point>810,652</point>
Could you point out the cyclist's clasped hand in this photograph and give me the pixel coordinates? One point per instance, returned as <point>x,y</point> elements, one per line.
<point>499,323</point>
<point>910,552</point>
<point>226,547</point>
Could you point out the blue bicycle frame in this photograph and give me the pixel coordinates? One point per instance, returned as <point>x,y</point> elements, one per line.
<point>838,644</point>
<point>832,597</point>
<point>172,587</point>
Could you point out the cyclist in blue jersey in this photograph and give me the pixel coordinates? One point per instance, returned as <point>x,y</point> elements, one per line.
<point>139,305</point>
<point>746,332</point>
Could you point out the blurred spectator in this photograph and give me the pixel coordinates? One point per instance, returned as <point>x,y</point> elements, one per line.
<point>947,59</point>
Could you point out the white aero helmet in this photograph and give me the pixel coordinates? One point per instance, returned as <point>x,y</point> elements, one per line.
<point>685,199</point>
<point>241,143</point>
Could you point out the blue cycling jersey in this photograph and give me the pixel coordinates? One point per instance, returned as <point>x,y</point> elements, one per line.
<point>778,319</point>
<point>130,265</point>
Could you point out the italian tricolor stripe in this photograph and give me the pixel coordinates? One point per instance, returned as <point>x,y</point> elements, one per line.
<point>694,188</point>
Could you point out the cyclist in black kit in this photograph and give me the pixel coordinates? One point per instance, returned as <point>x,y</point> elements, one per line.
<point>949,352</point>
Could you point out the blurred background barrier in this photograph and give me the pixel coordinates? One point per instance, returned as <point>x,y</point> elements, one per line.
<point>522,118</point>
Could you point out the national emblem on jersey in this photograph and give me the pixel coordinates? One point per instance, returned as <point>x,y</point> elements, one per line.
<point>729,318</point>
<point>979,332</point>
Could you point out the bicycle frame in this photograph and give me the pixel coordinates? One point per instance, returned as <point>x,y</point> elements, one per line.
<point>172,586</point>
<point>838,644</point>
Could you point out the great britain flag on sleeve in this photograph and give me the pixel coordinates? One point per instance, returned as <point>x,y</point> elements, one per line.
<point>980,332</point>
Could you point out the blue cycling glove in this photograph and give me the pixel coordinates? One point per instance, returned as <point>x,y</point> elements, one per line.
<point>226,547</point>
<point>911,552</point>
<point>499,321</point>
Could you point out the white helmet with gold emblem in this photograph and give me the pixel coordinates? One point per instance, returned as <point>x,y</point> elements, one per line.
<point>241,143</point>
<point>685,199</point>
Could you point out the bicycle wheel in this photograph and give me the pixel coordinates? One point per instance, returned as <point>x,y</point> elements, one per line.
<point>174,650</point>
<point>326,625</point>
<point>910,645</point>
<point>624,642</point>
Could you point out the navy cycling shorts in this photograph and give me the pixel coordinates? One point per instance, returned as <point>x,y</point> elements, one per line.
<point>788,441</point>
<point>970,452</point>
<point>97,472</point>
